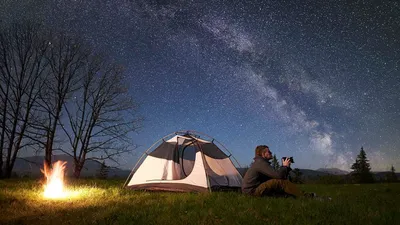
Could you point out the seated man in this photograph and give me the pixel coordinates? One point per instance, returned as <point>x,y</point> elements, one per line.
<point>262,180</point>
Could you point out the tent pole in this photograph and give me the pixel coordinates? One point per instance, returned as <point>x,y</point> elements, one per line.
<point>131,173</point>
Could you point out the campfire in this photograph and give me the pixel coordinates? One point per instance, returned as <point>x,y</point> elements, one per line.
<point>54,187</point>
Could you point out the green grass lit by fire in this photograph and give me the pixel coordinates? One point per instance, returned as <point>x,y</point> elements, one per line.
<point>104,202</point>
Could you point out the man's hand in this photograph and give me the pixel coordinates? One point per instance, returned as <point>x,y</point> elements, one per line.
<point>286,162</point>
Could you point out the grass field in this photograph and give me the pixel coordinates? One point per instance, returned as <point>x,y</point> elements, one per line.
<point>104,202</point>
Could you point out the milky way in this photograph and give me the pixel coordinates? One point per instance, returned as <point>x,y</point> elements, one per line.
<point>313,80</point>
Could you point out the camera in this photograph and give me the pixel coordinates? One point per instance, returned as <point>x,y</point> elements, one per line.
<point>291,159</point>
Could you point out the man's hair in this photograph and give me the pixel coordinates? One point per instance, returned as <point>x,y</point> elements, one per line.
<point>261,149</point>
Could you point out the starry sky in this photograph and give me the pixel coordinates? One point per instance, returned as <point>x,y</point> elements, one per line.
<point>315,80</point>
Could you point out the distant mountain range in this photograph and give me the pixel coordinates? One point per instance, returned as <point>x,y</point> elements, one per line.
<point>333,171</point>
<point>308,174</point>
<point>312,174</point>
<point>30,167</point>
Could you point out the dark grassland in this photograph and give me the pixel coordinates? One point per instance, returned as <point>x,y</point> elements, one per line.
<point>104,202</point>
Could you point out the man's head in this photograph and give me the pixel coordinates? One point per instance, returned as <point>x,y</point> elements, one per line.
<point>263,151</point>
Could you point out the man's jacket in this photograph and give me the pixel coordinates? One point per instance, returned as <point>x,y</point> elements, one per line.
<point>259,172</point>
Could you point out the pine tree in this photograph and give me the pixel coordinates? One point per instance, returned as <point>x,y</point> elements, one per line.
<point>391,176</point>
<point>275,163</point>
<point>297,176</point>
<point>103,171</point>
<point>361,168</point>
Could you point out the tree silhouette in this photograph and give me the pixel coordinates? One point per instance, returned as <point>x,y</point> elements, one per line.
<point>361,168</point>
<point>103,115</point>
<point>391,176</point>
<point>103,171</point>
<point>275,163</point>
<point>66,57</point>
<point>23,70</point>
<point>297,176</point>
<point>52,82</point>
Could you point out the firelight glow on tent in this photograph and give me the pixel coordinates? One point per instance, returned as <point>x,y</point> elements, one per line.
<point>184,162</point>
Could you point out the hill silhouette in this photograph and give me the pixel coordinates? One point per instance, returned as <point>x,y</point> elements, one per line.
<point>333,171</point>
<point>30,167</point>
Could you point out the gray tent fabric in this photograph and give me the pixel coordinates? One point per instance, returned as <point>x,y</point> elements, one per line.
<point>186,163</point>
<point>166,151</point>
<point>210,149</point>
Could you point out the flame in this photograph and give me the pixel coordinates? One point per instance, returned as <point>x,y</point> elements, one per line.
<point>54,187</point>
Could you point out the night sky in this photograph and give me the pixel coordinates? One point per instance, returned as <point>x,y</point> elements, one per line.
<point>315,80</point>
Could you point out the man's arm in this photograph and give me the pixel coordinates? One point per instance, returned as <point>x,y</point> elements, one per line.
<point>267,170</point>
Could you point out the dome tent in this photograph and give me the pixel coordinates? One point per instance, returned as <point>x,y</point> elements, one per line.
<point>184,162</point>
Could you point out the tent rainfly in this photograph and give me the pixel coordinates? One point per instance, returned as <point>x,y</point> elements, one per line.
<point>185,163</point>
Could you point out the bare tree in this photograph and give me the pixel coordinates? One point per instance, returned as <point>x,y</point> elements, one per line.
<point>101,116</point>
<point>22,73</point>
<point>66,58</point>
<point>39,72</point>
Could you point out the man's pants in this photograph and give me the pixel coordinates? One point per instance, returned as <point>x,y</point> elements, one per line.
<point>278,186</point>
